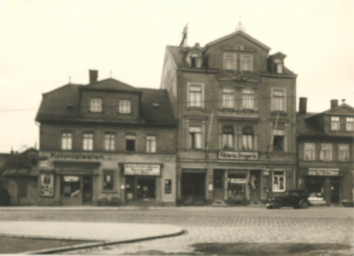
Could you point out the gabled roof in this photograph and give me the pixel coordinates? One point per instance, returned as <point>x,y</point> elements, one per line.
<point>278,54</point>
<point>341,109</point>
<point>239,33</point>
<point>111,84</point>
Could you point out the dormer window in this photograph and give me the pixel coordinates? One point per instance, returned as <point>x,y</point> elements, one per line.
<point>246,62</point>
<point>230,61</point>
<point>124,107</point>
<point>194,60</point>
<point>278,66</point>
<point>96,105</point>
<point>335,123</point>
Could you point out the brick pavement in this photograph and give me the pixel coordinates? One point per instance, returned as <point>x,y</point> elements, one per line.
<point>208,224</point>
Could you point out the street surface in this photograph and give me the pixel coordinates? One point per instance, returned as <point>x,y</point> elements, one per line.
<point>318,225</point>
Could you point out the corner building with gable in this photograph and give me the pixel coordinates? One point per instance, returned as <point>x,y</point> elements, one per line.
<point>235,108</point>
<point>106,143</point>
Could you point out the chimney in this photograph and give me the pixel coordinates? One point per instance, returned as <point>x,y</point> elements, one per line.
<point>334,103</point>
<point>303,105</point>
<point>93,76</point>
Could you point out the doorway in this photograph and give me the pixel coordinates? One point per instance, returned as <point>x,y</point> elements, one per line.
<point>87,190</point>
<point>255,186</point>
<point>193,188</point>
<point>218,184</point>
<point>334,190</point>
<point>140,190</point>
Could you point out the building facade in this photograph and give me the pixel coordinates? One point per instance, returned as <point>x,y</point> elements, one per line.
<point>106,143</point>
<point>326,152</point>
<point>235,107</point>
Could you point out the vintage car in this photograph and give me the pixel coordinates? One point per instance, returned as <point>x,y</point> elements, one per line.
<point>292,198</point>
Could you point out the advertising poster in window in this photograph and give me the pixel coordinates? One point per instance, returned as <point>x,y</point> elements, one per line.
<point>168,186</point>
<point>47,185</point>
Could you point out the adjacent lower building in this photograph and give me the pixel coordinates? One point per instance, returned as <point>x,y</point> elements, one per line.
<point>326,152</point>
<point>106,143</point>
<point>235,107</point>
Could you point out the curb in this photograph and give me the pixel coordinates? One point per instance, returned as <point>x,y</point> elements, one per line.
<point>97,244</point>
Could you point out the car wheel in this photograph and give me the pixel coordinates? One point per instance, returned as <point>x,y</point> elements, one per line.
<point>303,204</point>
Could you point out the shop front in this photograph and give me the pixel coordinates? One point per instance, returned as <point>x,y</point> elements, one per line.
<point>323,184</point>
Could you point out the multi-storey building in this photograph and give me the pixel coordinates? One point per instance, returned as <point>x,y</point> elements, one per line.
<point>325,152</point>
<point>235,107</point>
<point>106,143</point>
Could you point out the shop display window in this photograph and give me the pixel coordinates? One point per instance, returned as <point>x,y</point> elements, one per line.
<point>278,181</point>
<point>108,180</point>
<point>71,186</point>
<point>237,187</point>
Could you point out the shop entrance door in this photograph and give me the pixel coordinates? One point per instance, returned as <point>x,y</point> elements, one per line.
<point>140,190</point>
<point>255,186</point>
<point>219,184</point>
<point>193,188</point>
<point>70,190</point>
<point>87,190</point>
<point>145,189</point>
<point>334,190</point>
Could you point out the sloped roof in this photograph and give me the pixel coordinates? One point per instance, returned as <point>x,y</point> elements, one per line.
<point>111,84</point>
<point>156,107</point>
<point>303,127</point>
<point>341,109</point>
<point>63,104</point>
<point>21,164</point>
<point>239,33</point>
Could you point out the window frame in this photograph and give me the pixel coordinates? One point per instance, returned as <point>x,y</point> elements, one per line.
<point>87,141</point>
<point>151,145</point>
<point>274,105</point>
<point>248,98</point>
<point>228,98</point>
<point>310,152</point>
<point>193,139</point>
<point>190,92</point>
<point>96,105</point>
<point>323,152</point>
<point>107,173</point>
<point>124,108</point>
<point>130,137</point>
<point>335,123</point>
<point>109,141</point>
<point>349,124</point>
<point>277,176</point>
<point>67,141</point>
<point>228,137</point>
<point>244,60</point>
<point>247,139</point>
<point>341,152</point>
<point>232,61</point>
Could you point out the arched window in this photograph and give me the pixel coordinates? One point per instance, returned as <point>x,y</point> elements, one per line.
<point>247,138</point>
<point>227,137</point>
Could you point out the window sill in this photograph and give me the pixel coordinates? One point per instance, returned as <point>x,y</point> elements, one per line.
<point>109,191</point>
<point>124,114</point>
<point>280,112</point>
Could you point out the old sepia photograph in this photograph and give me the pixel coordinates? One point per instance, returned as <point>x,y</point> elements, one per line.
<point>165,127</point>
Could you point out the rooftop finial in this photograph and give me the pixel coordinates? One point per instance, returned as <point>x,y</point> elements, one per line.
<point>240,27</point>
<point>184,36</point>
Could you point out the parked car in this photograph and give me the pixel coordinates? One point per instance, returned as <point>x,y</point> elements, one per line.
<point>292,198</point>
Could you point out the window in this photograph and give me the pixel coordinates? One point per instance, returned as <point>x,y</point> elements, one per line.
<point>326,152</point>
<point>228,98</point>
<point>87,144</point>
<point>96,105</point>
<point>335,124</point>
<point>278,100</point>
<point>193,62</point>
<point>246,62</point>
<point>228,137</point>
<point>278,140</point>
<point>349,125</point>
<point>230,61</point>
<point>278,66</point>
<point>108,180</point>
<point>310,151</point>
<point>66,141</point>
<point>247,138</point>
<point>343,152</point>
<point>195,95</point>
<point>130,142</point>
<point>125,107</point>
<point>278,181</point>
<point>195,137</point>
<point>247,99</point>
<point>151,144</point>
<point>109,141</point>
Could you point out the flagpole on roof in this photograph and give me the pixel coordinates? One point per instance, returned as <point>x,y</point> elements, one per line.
<point>184,36</point>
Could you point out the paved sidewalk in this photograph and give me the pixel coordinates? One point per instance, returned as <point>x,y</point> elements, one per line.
<point>97,232</point>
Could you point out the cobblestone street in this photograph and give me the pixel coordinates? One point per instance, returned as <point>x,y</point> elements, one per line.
<point>323,225</point>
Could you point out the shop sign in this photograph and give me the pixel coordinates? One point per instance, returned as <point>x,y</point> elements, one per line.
<point>142,169</point>
<point>323,172</point>
<point>76,156</point>
<point>235,155</point>
<point>237,181</point>
<point>47,184</point>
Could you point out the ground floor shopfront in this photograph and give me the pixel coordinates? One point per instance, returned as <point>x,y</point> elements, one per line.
<point>332,185</point>
<point>232,183</point>
<point>106,179</point>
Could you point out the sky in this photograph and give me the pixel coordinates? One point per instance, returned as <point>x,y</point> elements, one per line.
<point>46,43</point>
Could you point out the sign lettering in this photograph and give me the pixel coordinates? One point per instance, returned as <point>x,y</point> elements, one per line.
<point>234,155</point>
